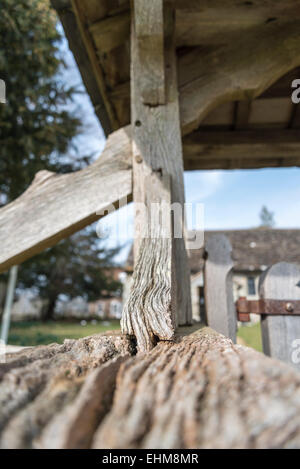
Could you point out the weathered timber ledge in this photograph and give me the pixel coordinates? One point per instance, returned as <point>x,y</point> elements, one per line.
<point>200,391</point>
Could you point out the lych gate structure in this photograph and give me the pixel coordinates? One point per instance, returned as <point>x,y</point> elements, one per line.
<point>176,84</point>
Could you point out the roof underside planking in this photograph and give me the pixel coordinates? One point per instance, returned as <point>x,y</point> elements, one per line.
<point>236,62</point>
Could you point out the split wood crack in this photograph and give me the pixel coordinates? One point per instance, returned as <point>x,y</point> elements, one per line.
<point>93,393</point>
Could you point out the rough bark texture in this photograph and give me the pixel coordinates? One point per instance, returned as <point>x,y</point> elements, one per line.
<point>150,311</point>
<point>200,391</point>
<point>36,385</point>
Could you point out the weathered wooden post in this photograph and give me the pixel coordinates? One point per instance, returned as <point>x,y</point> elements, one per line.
<point>218,286</point>
<point>280,287</point>
<point>157,148</point>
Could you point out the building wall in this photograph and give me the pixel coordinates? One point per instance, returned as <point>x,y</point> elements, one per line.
<point>242,287</point>
<point>28,307</point>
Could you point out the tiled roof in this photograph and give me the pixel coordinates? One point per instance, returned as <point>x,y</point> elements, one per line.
<point>253,249</point>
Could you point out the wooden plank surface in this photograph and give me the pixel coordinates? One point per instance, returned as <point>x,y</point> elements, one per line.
<point>55,206</point>
<point>243,148</point>
<point>218,286</point>
<point>111,32</point>
<point>217,21</point>
<point>240,163</point>
<point>281,334</point>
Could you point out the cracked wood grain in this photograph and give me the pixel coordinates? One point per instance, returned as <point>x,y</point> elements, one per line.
<point>157,148</point>
<point>199,391</point>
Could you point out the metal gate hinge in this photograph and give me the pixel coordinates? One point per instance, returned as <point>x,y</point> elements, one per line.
<point>266,307</point>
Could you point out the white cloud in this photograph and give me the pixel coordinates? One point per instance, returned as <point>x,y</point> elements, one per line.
<point>200,185</point>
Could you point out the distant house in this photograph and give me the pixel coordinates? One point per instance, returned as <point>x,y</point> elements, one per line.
<point>253,251</point>
<point>106,308</point>
<point>30,307</point>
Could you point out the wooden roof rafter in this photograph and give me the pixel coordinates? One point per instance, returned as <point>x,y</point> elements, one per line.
<point>227,52</point>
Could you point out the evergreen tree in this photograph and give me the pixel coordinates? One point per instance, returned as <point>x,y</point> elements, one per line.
<point>37,129</point>
<point>266,218</point>
<point>77,266</point>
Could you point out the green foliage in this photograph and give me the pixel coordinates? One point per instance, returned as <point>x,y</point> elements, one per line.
<point>32,333</point>
<point>77,266</point>
<point>251,336</point>
<point>35,126</point>
<point>37,129</point>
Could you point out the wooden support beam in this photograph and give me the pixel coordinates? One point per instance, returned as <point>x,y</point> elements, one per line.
<point>246,7</point>
<point>245,163</point>
<point>149,312</point>
<point>218,286</point>
<point>149,31</point>
<point>111,32</point>
<point>208,23</point>
<point>281,334</point>
<point>295,117</point>
<point>241,149</point>
<point>266,49</point>
<point>157,147</point>
<point>89,78</point>
<point>55,205</point>
<point>96,10</point>
<point>239,70</point>
<point>87,39</point>
<point>282,87</point>
<point>242,114</point>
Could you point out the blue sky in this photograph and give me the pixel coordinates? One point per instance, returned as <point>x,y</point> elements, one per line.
<point>232,199</point>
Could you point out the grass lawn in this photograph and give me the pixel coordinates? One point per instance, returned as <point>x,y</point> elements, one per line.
<point>251,335</point>
<point>40,333</point>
